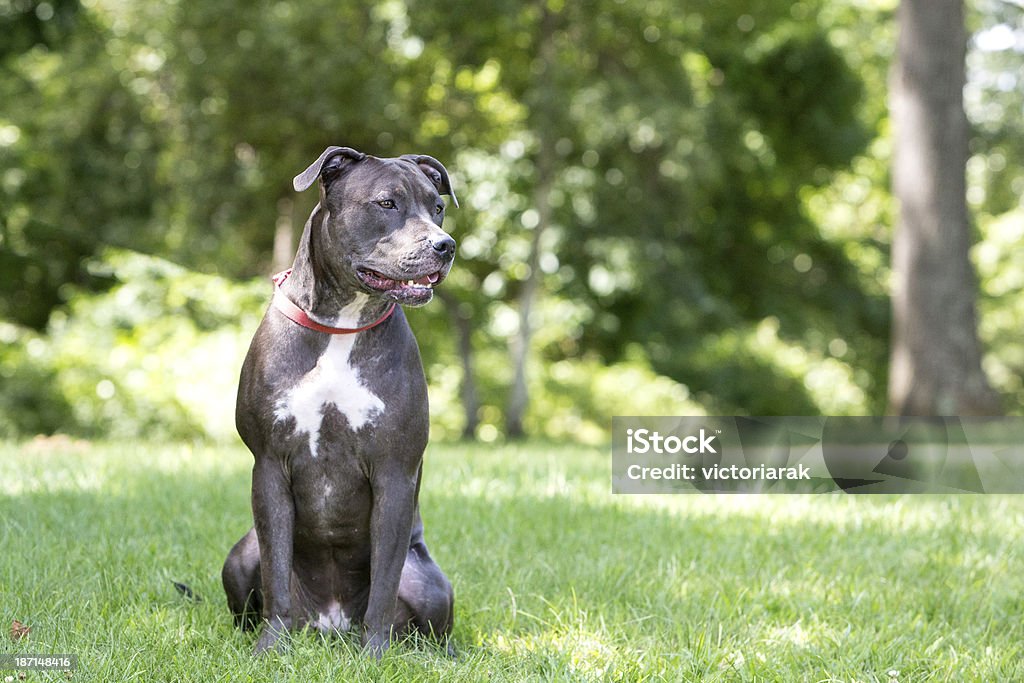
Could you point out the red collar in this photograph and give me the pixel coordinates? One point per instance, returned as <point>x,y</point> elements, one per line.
<point>298,316</point>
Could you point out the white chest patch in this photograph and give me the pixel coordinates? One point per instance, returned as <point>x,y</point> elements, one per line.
<point>332,382</point>
<point>333,619</point>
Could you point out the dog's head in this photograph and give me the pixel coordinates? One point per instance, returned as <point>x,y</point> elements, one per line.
<point>378,224</point>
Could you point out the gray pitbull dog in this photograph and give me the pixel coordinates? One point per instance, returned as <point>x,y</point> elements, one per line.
<point>332,402</point>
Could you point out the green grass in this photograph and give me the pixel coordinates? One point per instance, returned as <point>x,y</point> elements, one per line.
<point>555,578</point>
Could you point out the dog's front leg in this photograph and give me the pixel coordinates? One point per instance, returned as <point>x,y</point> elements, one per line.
<point>394,505</point>
<point>273,511</point>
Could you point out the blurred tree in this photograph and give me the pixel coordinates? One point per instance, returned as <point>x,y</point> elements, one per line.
<point>994,101</point>
<point>544,99</point>
<point>680,142</point>
<point>936,357</point>
<point>31,23</point>
<point>77,154</point>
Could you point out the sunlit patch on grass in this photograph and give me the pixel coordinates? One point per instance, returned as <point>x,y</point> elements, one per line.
<point>582,652</point>
<point>794,635</point>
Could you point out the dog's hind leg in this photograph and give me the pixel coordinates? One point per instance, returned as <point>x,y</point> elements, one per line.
<point>425,597</point>
<point>241,578</point>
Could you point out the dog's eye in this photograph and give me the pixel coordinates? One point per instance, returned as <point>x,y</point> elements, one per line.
<point>439,209</point>
<point>386,204</point>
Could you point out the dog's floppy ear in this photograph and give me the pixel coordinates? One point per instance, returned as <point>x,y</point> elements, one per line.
<point>332,160</point>
<point>435,172</point>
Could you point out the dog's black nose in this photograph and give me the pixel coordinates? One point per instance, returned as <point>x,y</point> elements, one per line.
<point>444,247</point>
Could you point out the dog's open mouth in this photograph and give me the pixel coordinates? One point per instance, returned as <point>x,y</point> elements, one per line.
<point>383,283</point>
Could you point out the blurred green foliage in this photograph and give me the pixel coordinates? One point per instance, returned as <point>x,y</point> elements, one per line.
<point>999,257</point>
<point>720,206</point>
<point>154,355</point>
<point>157,355</point>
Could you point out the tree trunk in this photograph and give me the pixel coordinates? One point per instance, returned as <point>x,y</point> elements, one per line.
<point>935,364</point>
<point>468,393</point>
<point>542,99</point>
<point>284,236</point>
<point>519,396</point>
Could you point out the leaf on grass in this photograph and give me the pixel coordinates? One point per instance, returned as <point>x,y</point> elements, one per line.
<point>186,591</point>
<point>19,630</point>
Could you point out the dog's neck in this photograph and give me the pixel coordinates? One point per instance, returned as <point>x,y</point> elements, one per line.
<point>316,286</point>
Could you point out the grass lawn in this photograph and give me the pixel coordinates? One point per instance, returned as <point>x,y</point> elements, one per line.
<point>555,578</point>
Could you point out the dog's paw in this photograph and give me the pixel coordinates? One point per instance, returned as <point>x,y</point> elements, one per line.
<point>375,644</point>
<point>270,640</point>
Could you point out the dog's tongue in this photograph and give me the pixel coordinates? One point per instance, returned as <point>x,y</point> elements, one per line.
<point>427,280</point>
